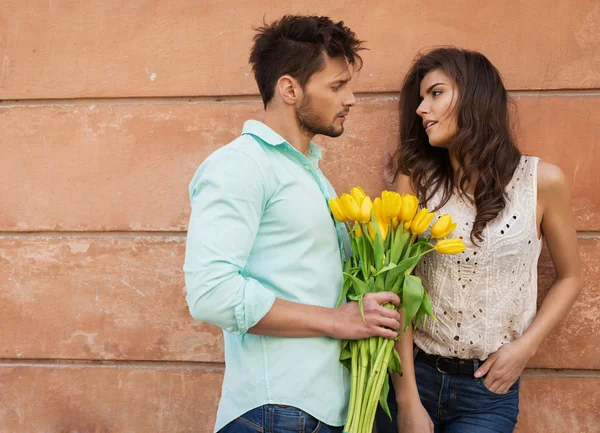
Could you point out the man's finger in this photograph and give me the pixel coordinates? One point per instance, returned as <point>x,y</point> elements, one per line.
<point>389,313</point>
<point>385,297</point>
<point>389,323</point>
<point>385,333</point>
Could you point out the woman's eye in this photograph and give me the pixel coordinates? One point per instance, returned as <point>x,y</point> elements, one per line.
<point>436,92</point>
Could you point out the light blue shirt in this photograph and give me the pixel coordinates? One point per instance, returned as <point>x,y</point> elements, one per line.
<point>261,229</point>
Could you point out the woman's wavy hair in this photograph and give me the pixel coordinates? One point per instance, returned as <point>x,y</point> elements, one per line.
<point>484,145</point>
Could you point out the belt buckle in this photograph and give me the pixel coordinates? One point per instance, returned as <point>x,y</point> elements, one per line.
<point>437,367</point>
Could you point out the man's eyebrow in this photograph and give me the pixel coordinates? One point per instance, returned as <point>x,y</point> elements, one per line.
<point>339,81</point>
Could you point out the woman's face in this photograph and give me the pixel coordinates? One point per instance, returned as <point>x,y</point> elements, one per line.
<point>438,100</point>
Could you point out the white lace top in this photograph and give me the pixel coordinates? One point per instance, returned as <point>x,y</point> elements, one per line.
<point>486,296</point>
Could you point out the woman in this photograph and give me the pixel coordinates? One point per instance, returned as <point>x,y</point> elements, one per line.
<point>457,154</point>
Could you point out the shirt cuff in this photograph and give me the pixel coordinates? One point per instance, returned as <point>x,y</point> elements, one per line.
<point>257,302</point>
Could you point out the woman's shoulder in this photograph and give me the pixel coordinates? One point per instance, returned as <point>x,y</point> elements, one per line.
<point>550,177</point>
<point>404,184</point>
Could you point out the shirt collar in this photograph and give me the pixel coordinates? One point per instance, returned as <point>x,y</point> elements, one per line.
<point>266,134</point>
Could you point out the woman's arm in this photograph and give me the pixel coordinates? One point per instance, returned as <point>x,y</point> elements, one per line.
<point>556,224</point>
<point>412,416</point>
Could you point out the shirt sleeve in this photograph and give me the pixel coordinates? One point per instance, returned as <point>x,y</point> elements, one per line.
<point>228,195</point>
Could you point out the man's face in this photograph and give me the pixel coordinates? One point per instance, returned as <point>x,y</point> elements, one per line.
<point>327,99</point>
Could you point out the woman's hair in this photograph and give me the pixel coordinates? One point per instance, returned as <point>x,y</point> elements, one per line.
<point>484,145</point>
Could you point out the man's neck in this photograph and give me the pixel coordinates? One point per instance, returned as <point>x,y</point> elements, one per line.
<point>288,129</point>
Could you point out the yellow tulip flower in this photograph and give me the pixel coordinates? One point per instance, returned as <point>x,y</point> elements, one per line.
<point>407,224</point>
<point>358,232</point>
<point>395,222</point>
<point>421,221</point>
<point>358,194</point>
<point>379,215</point>
<point>409,207</point>
<point>391,204</point>
<point>337,210</point>
<point>365,210</point>
<point>442,227</point>
<point>350,206</point>
<point>383,229</point>
<point>450,246</point>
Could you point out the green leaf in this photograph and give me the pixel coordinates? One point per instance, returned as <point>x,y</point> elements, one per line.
<point>345,289</point>
<point>385,390</point>
<point>386,268</point>
<point>378,248</point>
<point>347,265</point>
<point>379,286</point>
<point>354,245</point>
<point>346,355</point>
<point>398,246</point>
<point>419,247</point>
<point>397,284</point>
<point>360,286</point>
<point>378,251</point>
<point>426,306</point>
<point>394,363</point>
<point>401,268</point>
<point>359,299</point>
<point>372,348</point>
<point>418,318</point>
<point>412,295</point>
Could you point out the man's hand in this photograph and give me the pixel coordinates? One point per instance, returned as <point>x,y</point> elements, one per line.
<point>504,366</point>
<point>413,418</point>
<point>380,321</point>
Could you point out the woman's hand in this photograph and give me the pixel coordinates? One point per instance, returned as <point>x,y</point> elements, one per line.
<point>503,367</point>
<point>389,174</point>
<point>413,418</point>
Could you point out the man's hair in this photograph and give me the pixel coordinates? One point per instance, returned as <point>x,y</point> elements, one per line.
<point>294,45</point>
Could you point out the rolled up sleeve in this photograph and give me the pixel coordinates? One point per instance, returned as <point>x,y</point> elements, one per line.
<point>228,195</point>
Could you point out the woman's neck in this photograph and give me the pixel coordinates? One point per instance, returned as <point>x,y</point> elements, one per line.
<point>457,169</point>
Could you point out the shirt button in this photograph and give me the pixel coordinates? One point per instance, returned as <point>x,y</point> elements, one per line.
<point>307,167</point>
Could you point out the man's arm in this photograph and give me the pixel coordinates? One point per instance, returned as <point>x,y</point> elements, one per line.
<point>228,196</point>
<point>290,319</point>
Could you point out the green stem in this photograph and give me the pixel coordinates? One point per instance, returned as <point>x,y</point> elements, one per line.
<point>373,397</point>
<point>353,384</point>
<point>373,378</point>
<point>362,376</point>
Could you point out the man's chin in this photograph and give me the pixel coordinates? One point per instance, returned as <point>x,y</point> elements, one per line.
<point>335,132</point>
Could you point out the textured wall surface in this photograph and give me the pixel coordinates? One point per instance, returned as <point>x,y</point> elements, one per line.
<point>106,110</point>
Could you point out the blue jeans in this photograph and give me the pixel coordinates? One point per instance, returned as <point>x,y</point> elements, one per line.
<point>273,418</point>
<point>457,404</point>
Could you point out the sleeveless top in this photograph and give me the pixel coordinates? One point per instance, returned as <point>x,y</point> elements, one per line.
<point>486,296</point>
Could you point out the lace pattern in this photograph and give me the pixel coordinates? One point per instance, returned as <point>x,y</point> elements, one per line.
<point>486,296</point>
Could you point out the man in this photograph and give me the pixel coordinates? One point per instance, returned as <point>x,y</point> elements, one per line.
<point>264,255</point>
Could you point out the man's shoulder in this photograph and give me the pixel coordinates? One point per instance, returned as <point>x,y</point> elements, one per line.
<point>243,149</point>
<point>241,160</point>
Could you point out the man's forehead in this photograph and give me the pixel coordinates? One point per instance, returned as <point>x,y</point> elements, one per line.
<point>338,68</point>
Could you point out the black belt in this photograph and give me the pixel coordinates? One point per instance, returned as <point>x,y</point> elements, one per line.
<point>462,367</point>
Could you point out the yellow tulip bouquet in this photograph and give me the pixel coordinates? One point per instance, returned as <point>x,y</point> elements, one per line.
<point>386,247</point>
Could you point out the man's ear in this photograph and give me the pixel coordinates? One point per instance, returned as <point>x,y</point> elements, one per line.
<point>289,89</point>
